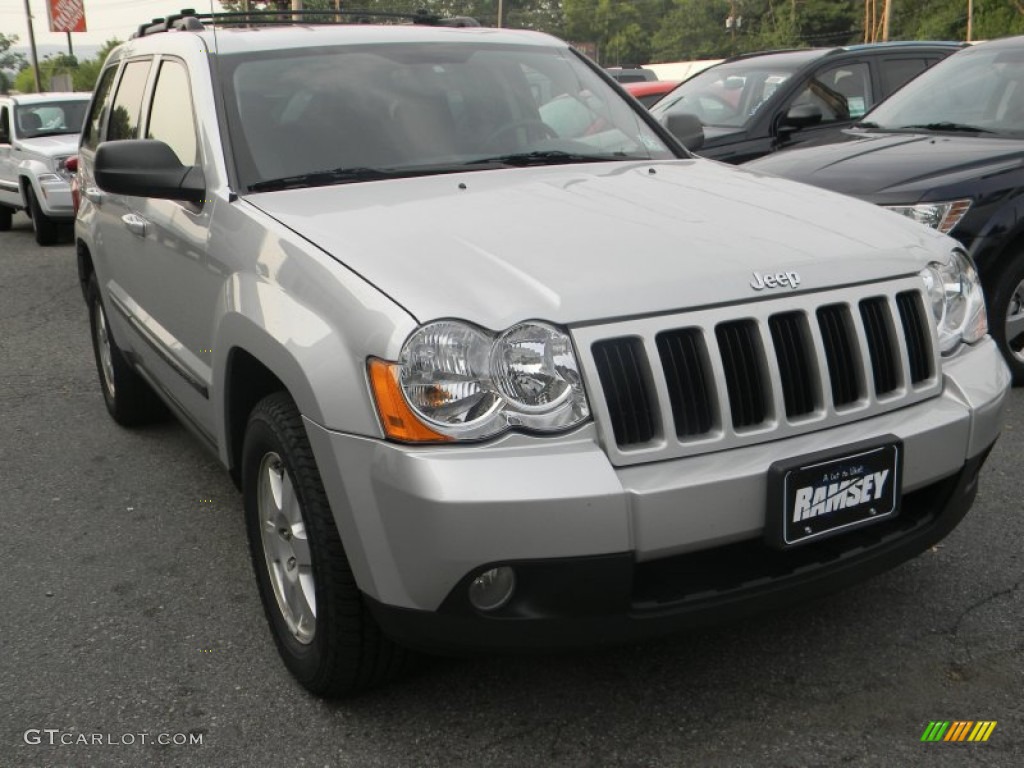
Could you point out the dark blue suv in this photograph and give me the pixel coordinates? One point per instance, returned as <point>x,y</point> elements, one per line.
<point>757,103</point>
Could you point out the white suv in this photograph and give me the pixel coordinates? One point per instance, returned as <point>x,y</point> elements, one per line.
<point>38,134</point>
<point>497,364</point>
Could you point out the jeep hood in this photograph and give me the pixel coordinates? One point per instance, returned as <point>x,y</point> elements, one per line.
<point>894,167</point>
<point>52,146</point>
<point>579,243</point>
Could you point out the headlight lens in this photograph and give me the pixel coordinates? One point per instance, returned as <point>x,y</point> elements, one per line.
<point>941,216</point>
<point>956,300</point>
<point>465,383</point>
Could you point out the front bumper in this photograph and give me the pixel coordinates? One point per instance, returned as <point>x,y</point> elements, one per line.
<point>612,598</point>
<point>54,196</point>
<point>606,553</point>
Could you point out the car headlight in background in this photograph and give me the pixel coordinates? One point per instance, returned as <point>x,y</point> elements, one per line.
<point>941,216</point>
<point>956,301</point>
<point>62,168</point>
<point>455,381</point>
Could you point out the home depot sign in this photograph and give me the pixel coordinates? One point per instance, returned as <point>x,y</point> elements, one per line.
<point>66,15</point>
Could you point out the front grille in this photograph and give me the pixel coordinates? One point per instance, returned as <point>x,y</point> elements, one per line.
<point>881,345</point>
<point>919,350</point>
<point>838,338</point>
<point>739,343</point>
<point>792,350</point>
<point>714,379</point>
<point>622,367</point>
<point>683,359</point>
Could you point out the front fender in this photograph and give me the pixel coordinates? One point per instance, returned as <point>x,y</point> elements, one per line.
<point>316,347</point>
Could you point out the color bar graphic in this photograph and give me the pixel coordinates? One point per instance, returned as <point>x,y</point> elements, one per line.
<point>958,730</point>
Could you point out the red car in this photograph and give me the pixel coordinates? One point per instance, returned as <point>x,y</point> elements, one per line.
<point>649,92</point>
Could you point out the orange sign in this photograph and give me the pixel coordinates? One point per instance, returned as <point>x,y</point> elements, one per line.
<point>66,15</point>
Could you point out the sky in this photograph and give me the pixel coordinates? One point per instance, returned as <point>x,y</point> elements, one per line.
<point>104,18</point>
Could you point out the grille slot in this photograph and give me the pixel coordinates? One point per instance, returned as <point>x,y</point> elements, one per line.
<point>683,359</point>
<point>919,352</point>
<point>836,336</point>
<point>623,370</point>
<point>740,346</point>
<point>789,334</point>
<point>881,345</point>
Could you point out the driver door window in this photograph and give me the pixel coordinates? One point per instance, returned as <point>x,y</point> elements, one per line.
<point>842,93</point>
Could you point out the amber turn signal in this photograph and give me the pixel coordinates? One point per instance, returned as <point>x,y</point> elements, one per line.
<point>400,423</point>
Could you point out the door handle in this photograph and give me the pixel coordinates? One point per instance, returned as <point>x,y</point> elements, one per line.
<point>135,223</point>
<point>92,194</point>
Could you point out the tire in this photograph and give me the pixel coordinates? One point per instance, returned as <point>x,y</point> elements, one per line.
<point>129,399</point>
<point>44,228</point>
<point>5,218</point>
<point>331,644</point>
<point>1006,315</point>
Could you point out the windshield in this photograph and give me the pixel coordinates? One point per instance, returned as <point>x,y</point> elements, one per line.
<point>976,89</point>
<point>728,95</point>
<point>360,113</point>
<point>51,118</point>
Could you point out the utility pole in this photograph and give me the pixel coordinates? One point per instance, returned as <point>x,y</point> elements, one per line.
<point>501,10</point>
<point>970,20</point>
<point>886,15</point>
<point>297,6</point>
<point>32,45</point>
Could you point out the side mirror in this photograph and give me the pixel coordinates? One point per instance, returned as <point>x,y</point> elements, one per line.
<point>687,128</point>
<point>147,168</point>
<point>801,116</point>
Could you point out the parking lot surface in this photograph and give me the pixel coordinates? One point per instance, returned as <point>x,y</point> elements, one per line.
<point>130,627</point>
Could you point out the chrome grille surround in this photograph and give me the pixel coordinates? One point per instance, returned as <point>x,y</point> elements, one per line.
<point>665,444</point>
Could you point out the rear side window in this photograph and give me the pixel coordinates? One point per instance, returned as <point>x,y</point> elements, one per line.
<point>124,117</point>
<point>897,72</point>
<point>100,107</point>
<point>171,119</point>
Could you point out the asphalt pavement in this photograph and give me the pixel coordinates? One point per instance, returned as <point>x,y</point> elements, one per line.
<point>131,633</point>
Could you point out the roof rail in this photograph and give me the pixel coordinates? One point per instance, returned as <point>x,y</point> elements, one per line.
<point>189,20</point>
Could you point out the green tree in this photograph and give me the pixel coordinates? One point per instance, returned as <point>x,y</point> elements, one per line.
<point>83,74</point>
<point>10,62</point>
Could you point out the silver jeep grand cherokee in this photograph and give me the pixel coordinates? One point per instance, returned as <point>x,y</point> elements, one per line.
<point>495,363</point>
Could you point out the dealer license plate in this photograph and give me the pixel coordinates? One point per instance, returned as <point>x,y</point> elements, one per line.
<point>812,497</point>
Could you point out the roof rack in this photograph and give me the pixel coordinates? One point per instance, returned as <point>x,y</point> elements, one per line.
<point>188,20</point>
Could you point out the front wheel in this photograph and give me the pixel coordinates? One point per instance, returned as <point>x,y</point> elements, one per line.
<point>43,227</point>
<point>1006,315</point>
<point>323,631</point>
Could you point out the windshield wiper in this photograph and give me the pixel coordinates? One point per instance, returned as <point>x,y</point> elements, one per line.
<point>945,126</point>
<point>322,178</point>
<point>546,157</point>
<point>865,124</point>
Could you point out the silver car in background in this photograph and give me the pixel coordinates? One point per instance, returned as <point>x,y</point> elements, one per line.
<point>39,133</point>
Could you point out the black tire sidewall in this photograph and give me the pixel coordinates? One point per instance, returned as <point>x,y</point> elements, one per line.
<point>1005,282</point>
<point>44,228</point>
<point>96,301</point>
<point>304,660</point>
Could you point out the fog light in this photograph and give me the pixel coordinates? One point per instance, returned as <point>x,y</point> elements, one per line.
<point>492,589</point>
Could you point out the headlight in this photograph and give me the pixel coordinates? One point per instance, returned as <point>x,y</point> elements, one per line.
<point>60,164</point>
<point>956,300</point>
<point>940,216</point>
<point>457,382</point>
